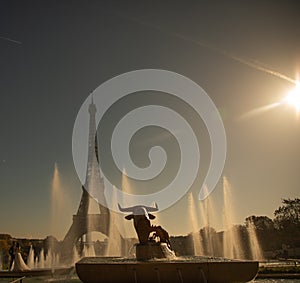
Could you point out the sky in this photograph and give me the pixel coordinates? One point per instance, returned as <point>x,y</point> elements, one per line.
<point>55,53</point>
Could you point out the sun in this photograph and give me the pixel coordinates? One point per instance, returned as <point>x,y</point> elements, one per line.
<point>293,98</point>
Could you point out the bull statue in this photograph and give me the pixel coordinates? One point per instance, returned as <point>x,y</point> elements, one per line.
<point>141,220</point>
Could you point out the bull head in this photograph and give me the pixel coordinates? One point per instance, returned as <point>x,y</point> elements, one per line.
<point>139,210</point>
<point>141,220</point>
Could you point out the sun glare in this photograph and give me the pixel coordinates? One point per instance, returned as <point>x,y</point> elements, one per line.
<point>293,98</point>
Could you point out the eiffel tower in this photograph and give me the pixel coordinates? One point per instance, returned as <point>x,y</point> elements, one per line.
<point>84,222</point>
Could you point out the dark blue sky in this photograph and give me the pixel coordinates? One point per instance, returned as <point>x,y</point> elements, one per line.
<point>68,48</point>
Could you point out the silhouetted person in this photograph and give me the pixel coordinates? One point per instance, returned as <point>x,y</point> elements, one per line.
<point>12,253</point>
<point>19,264</point>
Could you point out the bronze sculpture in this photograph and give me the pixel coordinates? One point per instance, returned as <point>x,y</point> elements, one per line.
<point>141,219</point>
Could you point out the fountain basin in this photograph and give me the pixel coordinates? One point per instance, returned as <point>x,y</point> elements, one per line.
<point>191,269</point>
<point>37,272</point>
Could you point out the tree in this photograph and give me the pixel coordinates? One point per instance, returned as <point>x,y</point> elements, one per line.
<point>287,216</point>
<point>260,222</point>
<point>4,247</point>
<point>287,221</point>
<point>265,231</point>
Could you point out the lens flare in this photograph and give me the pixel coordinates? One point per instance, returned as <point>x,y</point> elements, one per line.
<point>259,110</point>
<point>293,98</point>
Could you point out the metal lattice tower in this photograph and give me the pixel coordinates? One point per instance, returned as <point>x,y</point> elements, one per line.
<point>84,222</point>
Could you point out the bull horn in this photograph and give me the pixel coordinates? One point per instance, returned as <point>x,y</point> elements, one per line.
<point>127,209</point>
<point>151,208</point>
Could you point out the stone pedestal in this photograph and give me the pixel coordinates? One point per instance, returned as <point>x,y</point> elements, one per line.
<point>153,250</point>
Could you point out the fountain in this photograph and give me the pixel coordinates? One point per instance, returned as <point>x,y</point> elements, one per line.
<point>232,247</point>
<point>206,213</point>
<point>156,261</point>
<point>254,245</point>
<point>114,243</point>
<point>30,259</point>
<point>75,256</point>
<point>58,205</point>
<point>197,241</point>
<point>88,248</point>
<point>45,262</point>
<point>41,259</point>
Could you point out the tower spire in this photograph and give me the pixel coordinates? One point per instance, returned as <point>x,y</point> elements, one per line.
<point>94,180</point>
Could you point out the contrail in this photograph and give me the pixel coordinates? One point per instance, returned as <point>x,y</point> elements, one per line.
<point>251,63</point>
<point>11,40</point>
